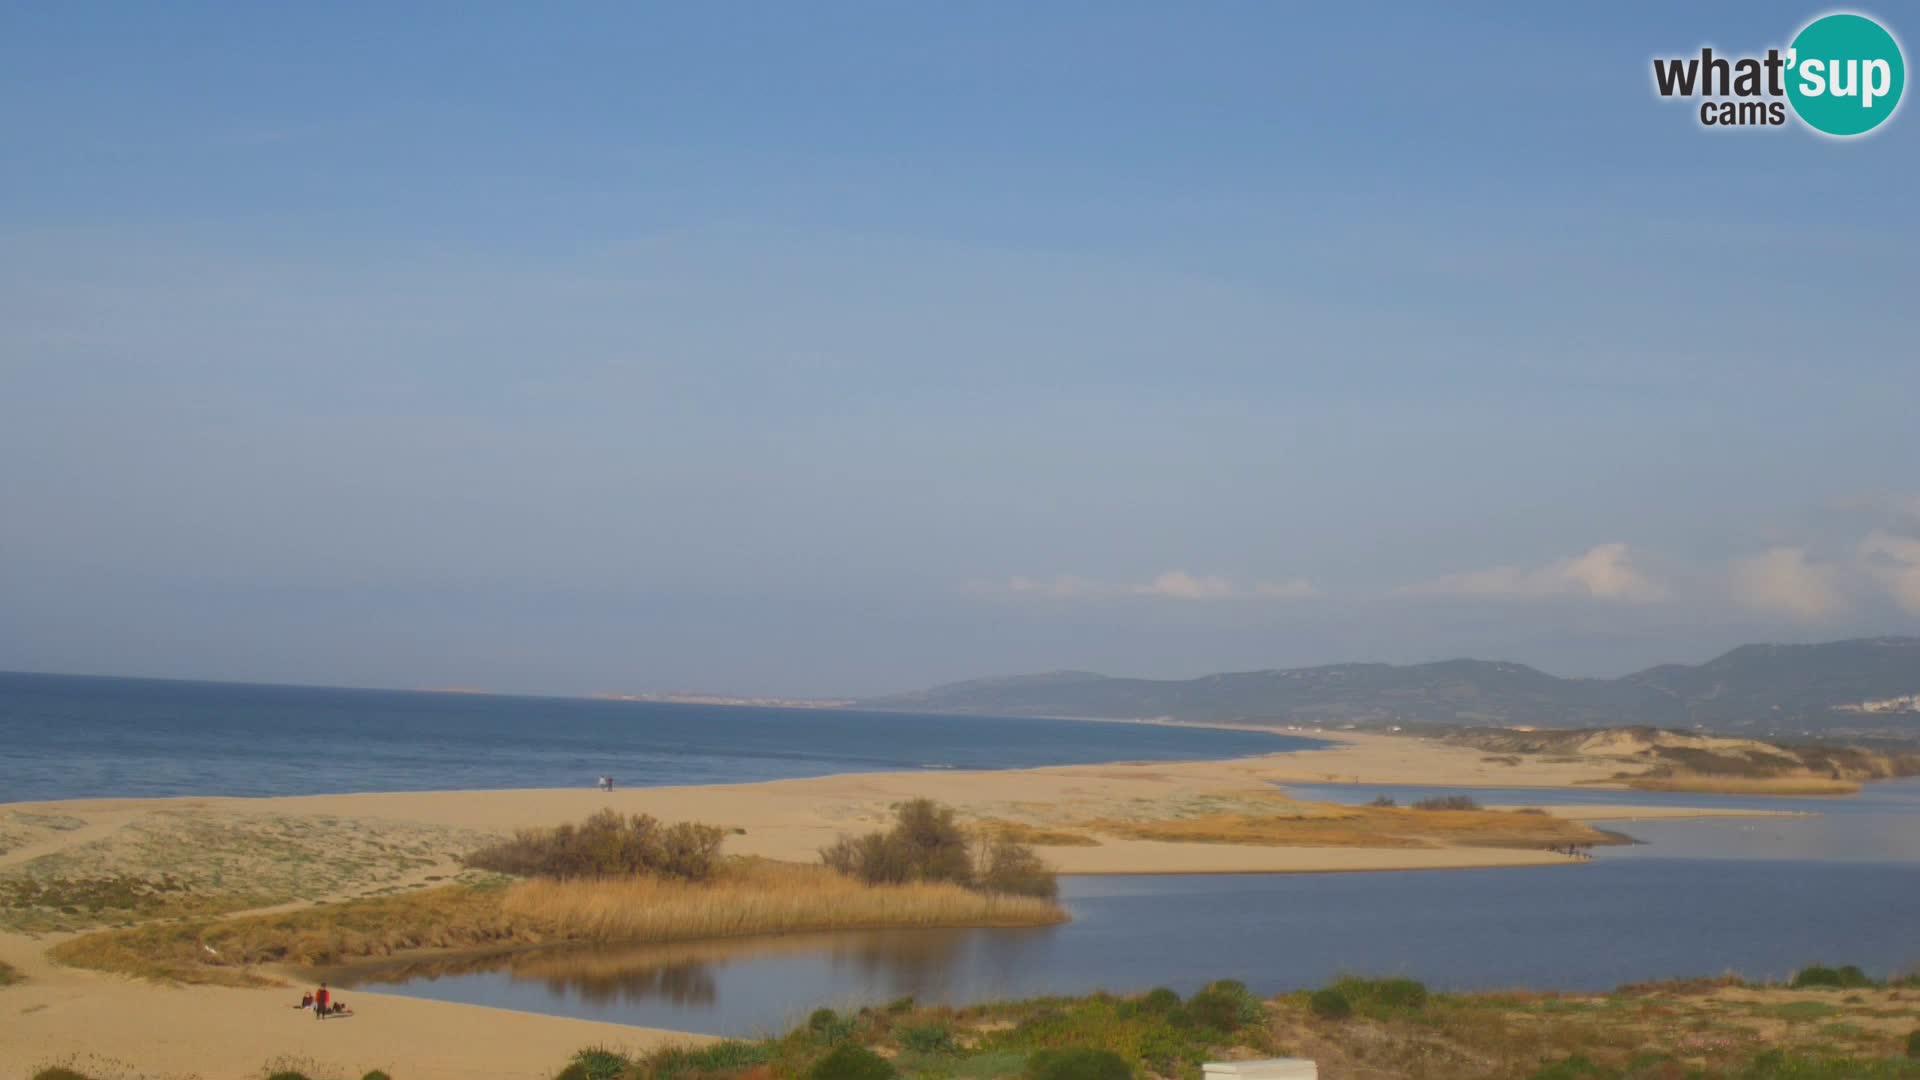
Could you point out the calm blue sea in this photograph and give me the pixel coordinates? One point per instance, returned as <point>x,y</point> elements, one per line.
<point>64,737</point>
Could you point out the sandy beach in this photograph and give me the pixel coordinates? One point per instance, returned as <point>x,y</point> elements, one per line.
<point>344,846</point>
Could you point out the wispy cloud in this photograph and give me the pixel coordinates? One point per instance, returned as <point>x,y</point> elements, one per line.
<point>1605,572</point>
<point>1180,585</point>
<point>1893,561</point>
<point>1057,587</point>
<point>1786,580</point>
<point>1172,585</point>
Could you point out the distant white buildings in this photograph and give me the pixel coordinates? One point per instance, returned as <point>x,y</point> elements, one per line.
<point>1909,703</point>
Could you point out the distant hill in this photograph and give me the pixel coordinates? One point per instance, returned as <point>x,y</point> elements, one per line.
<point>1754,688</point>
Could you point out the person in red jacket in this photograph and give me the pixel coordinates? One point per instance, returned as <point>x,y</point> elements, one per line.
<point>320,998</point>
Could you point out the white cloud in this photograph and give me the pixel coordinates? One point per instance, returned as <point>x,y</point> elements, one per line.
<point>1894,562</point>
<point>1605,572</point>
<point>1063,586</point>
<point>1180,585</point>
<point>1291,589</point>
<point>1172,585</point>
<point>1783,579</point>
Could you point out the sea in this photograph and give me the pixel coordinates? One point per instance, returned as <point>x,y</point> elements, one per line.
<point>70,737</point>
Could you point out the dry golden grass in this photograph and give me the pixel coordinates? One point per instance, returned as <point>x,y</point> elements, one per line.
<point>750,898</point>
<point>225,951</point>
<point>1744,785</point>
<point>1366,826</point>
<point>1022,833</point>
<point>758,898</point>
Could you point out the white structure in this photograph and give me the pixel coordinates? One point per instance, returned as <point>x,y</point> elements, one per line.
<point>1268,1069</point>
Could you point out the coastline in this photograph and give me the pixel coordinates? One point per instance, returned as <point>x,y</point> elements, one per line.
<point>56,1013</point>
<point>790,820</point>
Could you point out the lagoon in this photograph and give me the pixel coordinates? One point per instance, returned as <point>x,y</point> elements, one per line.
<point>1700,897</point>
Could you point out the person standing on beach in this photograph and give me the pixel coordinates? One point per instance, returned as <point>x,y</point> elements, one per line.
<point>320,997</point>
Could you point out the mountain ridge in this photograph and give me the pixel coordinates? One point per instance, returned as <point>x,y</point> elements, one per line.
<point>1758,688</point>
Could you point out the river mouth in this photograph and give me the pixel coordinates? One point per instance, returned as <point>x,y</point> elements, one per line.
<point>1700,897</point>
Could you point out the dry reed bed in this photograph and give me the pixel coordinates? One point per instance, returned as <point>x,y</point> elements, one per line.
<point>764,900</point>
<point>1367,826</point>
<point>1744,785</point>
<point>1021,832</point>
<point>747,900</point>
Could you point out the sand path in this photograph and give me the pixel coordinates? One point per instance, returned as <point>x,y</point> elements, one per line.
<point>111,1027</point>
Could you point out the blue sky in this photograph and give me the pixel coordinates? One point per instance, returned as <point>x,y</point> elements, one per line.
<point>820,349</point>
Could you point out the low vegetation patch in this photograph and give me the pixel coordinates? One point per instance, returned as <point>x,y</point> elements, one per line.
<point>607,845</point>
<point>992,829</point>
<point>745,897</point>
<point>194,862</point>
<point>927,845</point>
<point>227,951</point>
<point>1684,780</point>
<point>1847,977</point>
<point>1375,826</point>
<point>100,1070</point>
<point>8,974</point>
<point>1387,1027</point>
<point>1079,1063</point>
<point>1690,761</point>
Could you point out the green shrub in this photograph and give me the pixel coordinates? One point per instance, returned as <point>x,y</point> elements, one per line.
<point>600,1063</point>
<point>1330,1005</point>
<point>1013,868</point>
<point>1846,977</point>
<point>829,1027</point>
<point>1078,1063</point>
<point>1913,1044</point>
<point>1382,995</point>
<point>926,1038</point>
<point>850,1062</point>
<point>731,1055</point>
<point>607,845</point>
<point>377,1074</point>
<point>286,1074</point>
<point>572,1072</point>
<point>926,843</point>
<point>1225,1006</point>
<point>1160,1000</point>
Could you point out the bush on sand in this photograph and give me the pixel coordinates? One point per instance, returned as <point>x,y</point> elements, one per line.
<point>927,844</point>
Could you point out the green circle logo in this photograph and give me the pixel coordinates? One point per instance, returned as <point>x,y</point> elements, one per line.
<point>1845,74</point>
